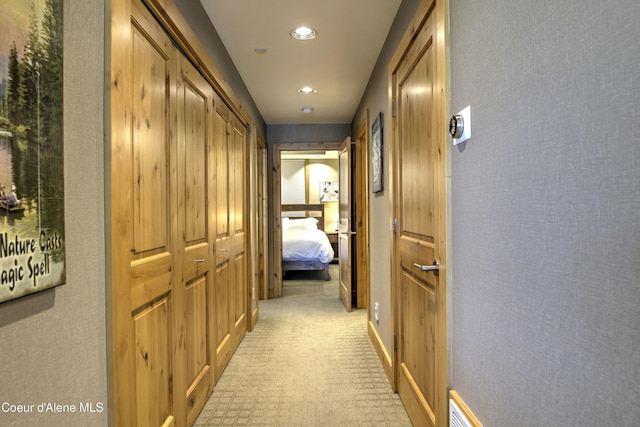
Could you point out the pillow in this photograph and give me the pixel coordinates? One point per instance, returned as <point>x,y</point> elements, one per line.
<point>285,223</point>
<point>302,224</point>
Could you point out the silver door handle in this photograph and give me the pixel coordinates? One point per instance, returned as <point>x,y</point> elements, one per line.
<point>435,267</point>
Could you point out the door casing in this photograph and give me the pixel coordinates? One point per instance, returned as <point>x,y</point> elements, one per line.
<point>275,289</point>
<point>438,10</point>
<point>362,211</point>
<point>276,188</point>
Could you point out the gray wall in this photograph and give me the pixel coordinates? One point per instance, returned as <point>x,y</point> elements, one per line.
<point>375,101</point>
<point>198,20</point>
<point>331,132</point>
<point>545,321</point>
<point>53,343</point>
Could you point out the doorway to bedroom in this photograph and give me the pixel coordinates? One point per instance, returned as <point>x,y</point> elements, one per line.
<point>309,211</point>
<point>311,177</point>
<point>307,173</point>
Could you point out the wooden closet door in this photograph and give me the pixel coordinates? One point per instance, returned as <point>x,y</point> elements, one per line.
<point>223,261</point>
<point>195,161</point>
<point>144,244</point>
<point>179,295</point>
<point>238,225</point>
<point>231,283</point>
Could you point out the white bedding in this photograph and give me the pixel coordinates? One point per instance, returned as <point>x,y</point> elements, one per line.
<point>306,245</point>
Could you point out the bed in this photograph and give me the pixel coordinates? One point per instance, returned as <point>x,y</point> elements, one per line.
<point>305,245</point>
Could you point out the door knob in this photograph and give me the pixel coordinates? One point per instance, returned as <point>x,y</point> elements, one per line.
<point>435,267</point>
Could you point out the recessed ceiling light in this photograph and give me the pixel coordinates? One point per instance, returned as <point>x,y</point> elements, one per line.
<point>307,89</point>
<point>307,110</point>
<point>303,33</point>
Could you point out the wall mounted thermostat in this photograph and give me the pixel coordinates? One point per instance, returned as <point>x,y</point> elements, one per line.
<point>460,126</point>
<point>456,126</point>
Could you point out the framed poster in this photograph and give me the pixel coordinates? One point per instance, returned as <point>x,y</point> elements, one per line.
<point>376,155</point>
<point>329,191</point>
<point>32,248</point>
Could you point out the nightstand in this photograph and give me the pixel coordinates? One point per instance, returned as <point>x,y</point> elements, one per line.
<point>333,239</point>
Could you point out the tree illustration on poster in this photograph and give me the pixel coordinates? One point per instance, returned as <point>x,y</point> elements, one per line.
<point>32,248</point>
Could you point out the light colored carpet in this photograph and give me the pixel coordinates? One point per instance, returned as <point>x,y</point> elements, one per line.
<point>307,363</point>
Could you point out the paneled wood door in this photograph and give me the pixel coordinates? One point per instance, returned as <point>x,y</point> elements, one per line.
<point>224,261</point>
<point>418,162</point>
<point>238,226</point>
<point>231,288</point>
<point>179,294</point>
<point>195,207</point>
<point>344,227</point>
<point>145,285</point>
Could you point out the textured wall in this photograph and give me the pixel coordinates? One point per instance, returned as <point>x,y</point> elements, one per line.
<point>198,20</point>
<point>307,133</point>
<point>545,320</point>
<point>53,343</point>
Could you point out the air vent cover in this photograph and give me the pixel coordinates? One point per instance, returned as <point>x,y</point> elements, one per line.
<point>456,417</point>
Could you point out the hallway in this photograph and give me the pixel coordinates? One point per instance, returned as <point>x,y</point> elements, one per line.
<point>307,363</point>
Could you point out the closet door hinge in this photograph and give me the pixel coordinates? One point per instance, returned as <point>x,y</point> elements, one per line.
<point>393,109</point>
<point>395,342</point>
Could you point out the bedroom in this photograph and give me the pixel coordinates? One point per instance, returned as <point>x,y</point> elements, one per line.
<point>309,178</point>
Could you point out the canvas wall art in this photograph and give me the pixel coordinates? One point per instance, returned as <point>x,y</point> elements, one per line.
<point>32,235</point>
<point>376,155</point>
<point>329,191</point>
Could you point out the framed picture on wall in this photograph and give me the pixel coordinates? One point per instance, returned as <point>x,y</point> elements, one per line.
<point>376,154</point>
<point>329,191</point>
<point>32,228</point>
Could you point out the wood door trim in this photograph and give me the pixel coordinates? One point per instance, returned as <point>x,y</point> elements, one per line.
<point>251,212</point>
<point>421,15</point>
<point>362,212</point>
<point>167,13</point>
<point>454,396</point>
<point>276,198</point>
<point>121,378</point>
<point>259,229</point>
<point>439,8</point>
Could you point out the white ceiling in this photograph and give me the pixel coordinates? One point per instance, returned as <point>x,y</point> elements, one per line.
<point>337,63</point>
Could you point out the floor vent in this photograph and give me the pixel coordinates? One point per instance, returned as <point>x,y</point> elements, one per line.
<point>456,417</point>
